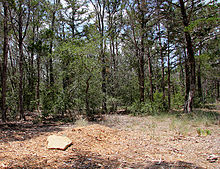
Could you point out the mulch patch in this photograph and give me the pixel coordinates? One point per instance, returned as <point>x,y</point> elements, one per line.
<point>99,146</point>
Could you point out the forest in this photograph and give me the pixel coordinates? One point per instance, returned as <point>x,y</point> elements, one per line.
<point>96,56</point>
<point>131,83</point>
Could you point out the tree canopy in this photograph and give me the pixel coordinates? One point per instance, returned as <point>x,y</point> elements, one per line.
<point>96,56</point>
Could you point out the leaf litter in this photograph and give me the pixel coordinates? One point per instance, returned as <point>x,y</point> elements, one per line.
<point>100,146</point>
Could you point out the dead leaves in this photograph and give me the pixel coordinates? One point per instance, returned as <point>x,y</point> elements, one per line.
<point>98,146</point>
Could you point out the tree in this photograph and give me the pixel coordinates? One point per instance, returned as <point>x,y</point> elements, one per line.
<point>21,10</point>
<point>5,61</point>
<point>100,7</point>
<point>191,59</point>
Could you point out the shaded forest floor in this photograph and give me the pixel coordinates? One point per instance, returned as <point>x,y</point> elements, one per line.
<point>119,141</point>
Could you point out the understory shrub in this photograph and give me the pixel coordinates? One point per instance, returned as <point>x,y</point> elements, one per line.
<point>148,107</point>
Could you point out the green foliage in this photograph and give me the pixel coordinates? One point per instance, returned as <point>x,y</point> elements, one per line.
<point>203,132</point>
<point>50,100</point>
<point>158,106</point>
<point>78,45</point>
<point>177,100</point>
<point>202,21</point>
<point>159,103</point>
<point>78,77</point>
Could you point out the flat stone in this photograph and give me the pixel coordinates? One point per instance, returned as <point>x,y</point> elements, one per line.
<point>58,142</point>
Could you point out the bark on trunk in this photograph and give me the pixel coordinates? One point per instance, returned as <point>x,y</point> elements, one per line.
<point>31,80</point>
<point>168,71</point>
<point>187,79</point>
<point>38,83</point>
<point>199,82</point>
<point>5,61</point>
<point>104,106</point>
<point>104,80</point>
<point>88,112</point>
<point>191,59</point>
<point>141,59</point>
<point>162,65</point>
<point>21,58</point>
<point>51,48</point>
<point>199,79</point>
<point>150,76</point>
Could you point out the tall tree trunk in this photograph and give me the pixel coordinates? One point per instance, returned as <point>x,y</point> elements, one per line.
<point>103,59</point>
<point>5,61</point>
<point>191,59</point>
<point>38,67</point>
<point>100,7</point>
<point>141,58</point>
<point>199,79</point>
<point>38,83</point>
<point>73,21</point>
<point>21,58</point>
<point>187,79</point>
<point>50,51</point>
<point>21,92</point>
<point>112,53</point>
<point>104,90</point>
<point>31,79</point>
<point>38,75</point>
<point>88,112</point>
<point>168,71</point>
<point>199,82</point>
<point>150,75</point>
<point>162,65</point>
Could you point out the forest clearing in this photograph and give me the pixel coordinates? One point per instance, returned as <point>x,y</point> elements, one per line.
<point>128,83</point>
<point>118,141</point>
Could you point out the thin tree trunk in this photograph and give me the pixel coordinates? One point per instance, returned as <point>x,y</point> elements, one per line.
<point>38,72</point>
<point>38,77</point>
<point>50,51</point>
<point>141,58</point>
<point>104,80</point>
<point>21,108</point>
<point>181,76</point>
<point>88,112</point>
<point>168,71</point>
<point>150,76</point>
<point>21,58</point>
<point>199,79</point>
<point>162,65</point>
<point>191,59</point>
<point>199,82</point>
<point>187,79</point>
<point>104,106</point>
<point>31,77</point>
<point>5,61</point>
<point>73,21</point>
<point>38,83</point>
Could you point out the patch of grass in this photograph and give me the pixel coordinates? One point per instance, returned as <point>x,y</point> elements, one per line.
<point>81,122</point>
<point>184,128</point>
<point>151,125</point>
<point>110,120</point>
<point>203,132</point>
<point>206,118</point>
<point>173,124</point>
<point>181,126</point>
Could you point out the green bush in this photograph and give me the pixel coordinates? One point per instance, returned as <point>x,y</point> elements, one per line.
<point>48,102</point>
<point>177,100</point>
<point>148,107</point>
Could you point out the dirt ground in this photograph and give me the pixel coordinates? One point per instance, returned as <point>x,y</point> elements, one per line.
<point>120,141</point>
